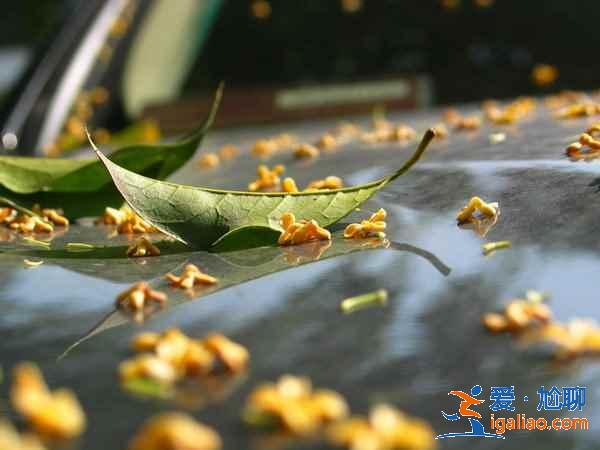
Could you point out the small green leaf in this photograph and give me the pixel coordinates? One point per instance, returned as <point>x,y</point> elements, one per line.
<point>82,187</point>
<point>203,217</point>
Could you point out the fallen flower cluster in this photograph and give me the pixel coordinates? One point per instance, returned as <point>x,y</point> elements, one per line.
<point>126,220</point>
<point>291,403</point>
<point>268,179</point>
<point>519,315</point>
<point>579,109</point>
<point>56,414</point>
<point>532,321</point>
<point>172,356</point>
<point>513,112</point>
<point>460,122</point>
<point>385,131</point>
<point>267,147</point>
<point>299,232</point>
<point>42,222</point>
<point>342,134</point>
<point>587,147</point>
<point>209,160</point>
<point>10,439</point>
<point>579,337</point>
<point>306,151</point>
<point>373,226</point>
<point>175,431</point>
<point>386,428</point>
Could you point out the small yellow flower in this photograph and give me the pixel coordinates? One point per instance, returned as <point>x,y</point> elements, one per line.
<point>25,223</point>
<point>209,160</point>
<point>190,277</point>
<point>55,414</point>
<point>127,221</point>
<point>293,404</point>
<point>267,178</point>
<point>477,205</point>
<point>138,295</point>
<point>142,247</point>
<point>289,185</point>
<point>233,355</point>
<point>54,216</point>
<point>385,428</point>
<point>518,315</point>
<point>228,152</point>
<point>175,431</point>
<point>330,182</point>
<point>306,151</point>
<point>374,226</point>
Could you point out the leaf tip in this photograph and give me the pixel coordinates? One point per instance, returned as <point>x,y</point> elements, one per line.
<point>89,137</point>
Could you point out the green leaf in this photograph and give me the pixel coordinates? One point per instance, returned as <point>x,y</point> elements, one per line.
<point>82,187</point>
<point>203,217</point>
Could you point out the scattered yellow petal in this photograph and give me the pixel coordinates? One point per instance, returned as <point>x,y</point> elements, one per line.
<point>260,9</point>
<point>330,182</point>
<point>175,431</point>
<point>55,414</point>
<point>127,221</point>
<point>268,179</point>
<point>228,152</point>
<point>518,316</point>
<point>209,160</point>
<point>10,439</point>
<point>385,428</point>
<point>190,277</point>
<point>234,356</point>
<point>289,185</point>
<point>292,404</point>
<point>306,151</point>
<point>580,109</point>
<point>172,356</point>
<point>544,75</point>
<point>138,295</point>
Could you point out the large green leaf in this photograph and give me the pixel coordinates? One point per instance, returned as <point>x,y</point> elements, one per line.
<point>82,187</point>
<point>204,217</point>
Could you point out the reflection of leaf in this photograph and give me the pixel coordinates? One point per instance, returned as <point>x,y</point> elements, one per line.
<point>234,268</point>
<point>231,219</point>
<point>106,260</point>
<point>82,187</point>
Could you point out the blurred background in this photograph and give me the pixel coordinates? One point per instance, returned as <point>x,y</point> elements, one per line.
<point>144,69</point>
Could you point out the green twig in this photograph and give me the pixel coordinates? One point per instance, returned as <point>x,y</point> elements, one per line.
<point>352,304</point>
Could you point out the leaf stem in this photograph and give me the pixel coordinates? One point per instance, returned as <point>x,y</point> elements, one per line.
<point>425,141</point>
